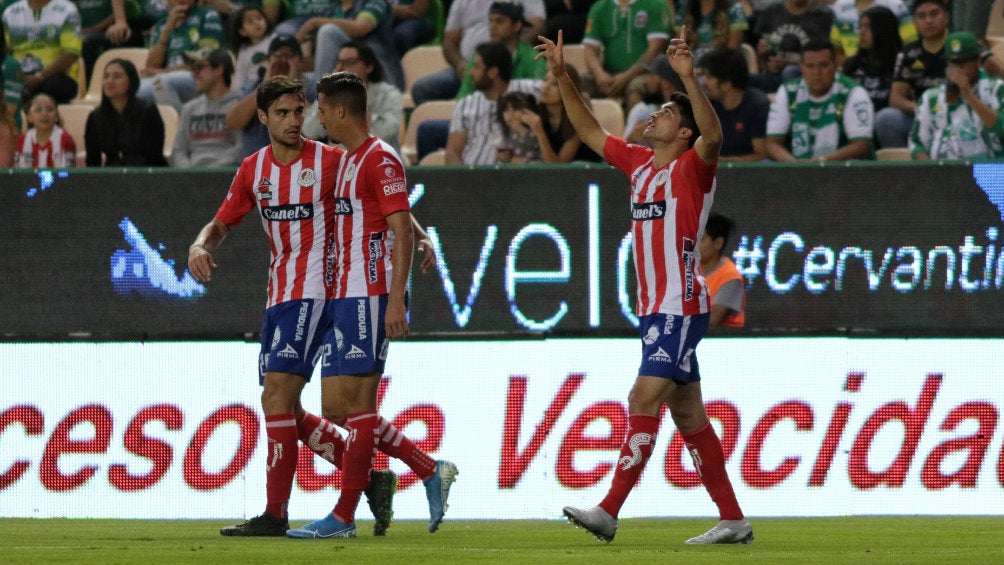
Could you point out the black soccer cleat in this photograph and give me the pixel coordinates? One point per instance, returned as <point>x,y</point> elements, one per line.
<point>265,525</point>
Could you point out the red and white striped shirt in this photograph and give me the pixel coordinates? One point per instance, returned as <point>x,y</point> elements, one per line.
<point>58,151</point>
<point>296,206</point>
<point>669,207</point>
<point>370,187</point>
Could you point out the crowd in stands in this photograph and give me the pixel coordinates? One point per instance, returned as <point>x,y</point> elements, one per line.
<point>791,80</point>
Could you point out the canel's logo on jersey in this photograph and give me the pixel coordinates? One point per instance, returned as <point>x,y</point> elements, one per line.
<point>288,212</point>
<point>307,177</point>
<point>343,207</point>
<point>645,211</point>
<point>390,172</point>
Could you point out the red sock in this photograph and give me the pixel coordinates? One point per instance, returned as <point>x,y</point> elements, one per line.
<point>635,451</point>
<point>709,460</point>
<point>321,437</point>
<point>280,462</point>
<point>357,460</point>
<point>398,446</point>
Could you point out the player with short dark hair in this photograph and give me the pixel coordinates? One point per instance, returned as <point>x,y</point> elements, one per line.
<point>275,180</point>
<point>370,255</point>
<point>672,189</point>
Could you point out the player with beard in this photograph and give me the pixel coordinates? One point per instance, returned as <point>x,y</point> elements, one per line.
<point>289,182</point>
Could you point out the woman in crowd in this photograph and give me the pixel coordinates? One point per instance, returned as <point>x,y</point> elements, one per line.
<point>124,131</point>
<point>558,141</point>
<point>517,115</point>
<point>878,45</point>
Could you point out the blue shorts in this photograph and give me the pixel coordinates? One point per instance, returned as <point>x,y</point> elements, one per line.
<point>291,337</point>
<point>357,344</point>
<point>668,344</point>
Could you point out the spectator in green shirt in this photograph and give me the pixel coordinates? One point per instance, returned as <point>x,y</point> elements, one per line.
<point>103,25</point>
<point>622,37</point>
<point>167,78</point>
<point>505,24</point>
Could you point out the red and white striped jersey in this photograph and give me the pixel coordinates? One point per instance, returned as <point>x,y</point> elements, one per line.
<point>370,187</point>
<point>669,207</point>
<point>58,152</point>
<point>296,206</point>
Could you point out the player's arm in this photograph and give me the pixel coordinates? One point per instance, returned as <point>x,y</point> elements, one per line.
<point>424,244</point>
<point>589,129</point>
<point>404,247</point>
<point>709,145</point>
<point>200,259</point>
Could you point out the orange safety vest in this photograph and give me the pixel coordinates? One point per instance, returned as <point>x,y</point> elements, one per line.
<point>726,272</point>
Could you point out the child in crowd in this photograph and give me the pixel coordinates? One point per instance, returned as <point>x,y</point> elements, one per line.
<point>517,144</point>
<point>45,145</point>
<point>249,39</point>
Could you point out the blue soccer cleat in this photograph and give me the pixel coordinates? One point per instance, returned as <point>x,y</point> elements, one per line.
<point>437,490</point>
<point>327,527</point>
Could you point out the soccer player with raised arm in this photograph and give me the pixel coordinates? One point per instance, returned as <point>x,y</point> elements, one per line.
<point>672,188</point>
<point>289,183</point>
<point>370,259</point>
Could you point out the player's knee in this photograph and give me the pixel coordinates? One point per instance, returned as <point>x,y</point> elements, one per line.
<point>688,420</point>
<point>333,414</point>
<point>642,402</point>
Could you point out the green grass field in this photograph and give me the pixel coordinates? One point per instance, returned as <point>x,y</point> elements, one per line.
<point>859,541</point>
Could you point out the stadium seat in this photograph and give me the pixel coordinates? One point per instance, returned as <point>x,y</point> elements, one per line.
<point>995,27</point>
<point>610,115</point>
<point>417,63</point>
<point>575,55</point>
<point>74,118</point>
<point>437,157</point>
<point>81,80</point>
<point>171,118</point>
<point>752,62</point>
<point>996,46</point>
<point>93,94</point>
<point>893,154</point>
<point>431,110</point>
